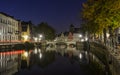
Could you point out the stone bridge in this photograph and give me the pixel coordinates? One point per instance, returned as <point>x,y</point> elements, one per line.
<point>67,45</point>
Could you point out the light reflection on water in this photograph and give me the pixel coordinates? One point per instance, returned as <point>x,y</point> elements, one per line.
<point>37,56</point>
<point>9,58</point>
<point>44,57</point>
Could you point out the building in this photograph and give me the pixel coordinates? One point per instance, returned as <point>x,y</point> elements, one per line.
<point>8,29</point>
<point>78,34</point>
<point>19,31</point>
<point>25,31</point>
<point>9,35</point>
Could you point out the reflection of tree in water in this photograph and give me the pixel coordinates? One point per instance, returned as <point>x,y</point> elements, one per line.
<point>47,58</point>
<point>23,64</point>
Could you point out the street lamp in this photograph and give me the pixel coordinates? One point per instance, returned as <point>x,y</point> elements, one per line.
<point>80,37</point>
<point>40,37</point>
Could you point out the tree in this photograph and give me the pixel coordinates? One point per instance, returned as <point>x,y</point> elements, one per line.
<point>99,15</point>
<point>47,31</point>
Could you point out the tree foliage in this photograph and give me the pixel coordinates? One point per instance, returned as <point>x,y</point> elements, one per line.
<point>46,30</point>
<point>101,14</point>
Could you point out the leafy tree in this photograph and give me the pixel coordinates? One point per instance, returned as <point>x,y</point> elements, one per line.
<point>47,31</point>
<point>100,15</point>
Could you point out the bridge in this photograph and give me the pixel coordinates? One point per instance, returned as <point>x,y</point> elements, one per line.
<point>62,45</point>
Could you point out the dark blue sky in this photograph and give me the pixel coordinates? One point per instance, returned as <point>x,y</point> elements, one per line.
<point>57,13</point>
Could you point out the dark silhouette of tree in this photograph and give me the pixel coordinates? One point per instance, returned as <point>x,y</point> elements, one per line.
<point>46,30</point>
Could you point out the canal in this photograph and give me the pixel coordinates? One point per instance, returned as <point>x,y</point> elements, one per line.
<point>42,62</point>
<point>54,63</point>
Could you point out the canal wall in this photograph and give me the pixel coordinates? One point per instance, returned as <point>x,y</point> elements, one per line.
<point>113,59</point>
<point>114,62</point>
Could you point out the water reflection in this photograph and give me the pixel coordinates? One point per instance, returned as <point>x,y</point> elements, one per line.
<point>40,55</point>
<point>44,58</point>
<point>80,55</point>
<point>35,51</point>
<point>9,61</point>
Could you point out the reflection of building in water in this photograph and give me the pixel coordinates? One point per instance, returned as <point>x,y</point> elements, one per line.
<point>9,62</point>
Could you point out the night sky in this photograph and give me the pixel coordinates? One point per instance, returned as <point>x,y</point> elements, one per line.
<point>57,13</point>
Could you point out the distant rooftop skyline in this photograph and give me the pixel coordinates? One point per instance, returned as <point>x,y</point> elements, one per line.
<point>57,13</point>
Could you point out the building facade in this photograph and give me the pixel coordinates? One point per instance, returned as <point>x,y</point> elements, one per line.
<point>25,32</point>
<point>9,35</point>
<point>8,29</point>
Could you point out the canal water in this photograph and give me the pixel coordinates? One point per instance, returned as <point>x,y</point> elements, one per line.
<point>54,63</point>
